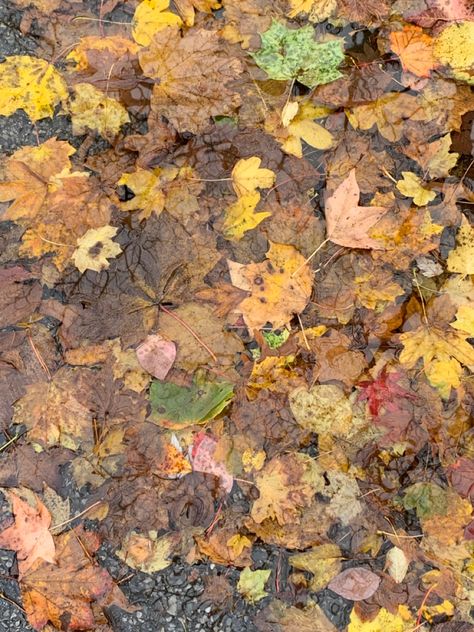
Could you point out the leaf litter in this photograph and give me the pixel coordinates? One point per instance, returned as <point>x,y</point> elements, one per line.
<point>236,310</point>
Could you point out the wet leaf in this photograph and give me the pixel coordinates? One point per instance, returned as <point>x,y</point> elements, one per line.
<point>323,561</point>
<point>295,54</point>
<point>411,186</point>
<point>324,409</point>
<point>92,109</point>
<point>398,622</point>
<point>461,258</point>
<point>355,583</point>
<point>203,459</point>
<point>427,499</point>
<point>247,176</point>
<point>278,287</point>
<point>453,48</point>
<point>30,84</point>
<point>251,584</point>
<point>349,224</point>
<point>176,406</point>
<point>151,16</point>
<point>156,355</point>
<point>29,535</point>
<point>95,248</point>
<point>415,50</point>
<point>242,217</point>
<point>193,74</point>
<point>148,554</point>
<point>397,564</point>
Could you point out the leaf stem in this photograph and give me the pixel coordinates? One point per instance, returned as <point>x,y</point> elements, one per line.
<point>191,331</point>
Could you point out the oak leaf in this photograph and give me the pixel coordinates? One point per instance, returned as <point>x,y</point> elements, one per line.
<point>151,16</point>
<point>29,535</point>
<point>193,73</point>
<point>95,248</point>
<point>349,224</point>
<point>278,287</point>
<point>415,50</point>
<point>286,484</point>
<point>30,84</point>
<point>66,590</point>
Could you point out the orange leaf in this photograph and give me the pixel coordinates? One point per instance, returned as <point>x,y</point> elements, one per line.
<point>415,50</point>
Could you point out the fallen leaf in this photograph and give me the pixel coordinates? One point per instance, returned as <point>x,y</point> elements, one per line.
<point>186,8</point>
<point>278,616</point>
<point>384,620</point>
<point>427,499</point>
<point>324,409</point>
<point>411,186</point>
<point>29,535</point>
<point>68,589</point>
<point>461,258</point>
<point>355,583</point>
<point>443,353</point>
<point>192,73</point>
<point>156,355</point>
<point>286,484</point>
<point>148,554</point>
<point>176,406</point>
<point>247,176</point>
<point>151,16</point>
<point>241,216</point>
<point>92,109</point>
<point>59,508</point>
<point>453,48</point>
<point>464,319</point>
<point>397,564</point>
<point>349,224</point>
<point>278,287</point>
<point>95,248</point>
<point>251,584</point>
<point>323,561</point>
<point>294,54</point>
<point>203,460</point>
<point>415,50</point>
<point>30,84</point>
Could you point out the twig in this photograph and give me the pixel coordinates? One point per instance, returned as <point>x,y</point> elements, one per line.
<point>13,603</point>
<point>191,331</point>
<point>61,524</point>
<point>303,333</point>
<point>420,609</point>
<point>313,254</point>
<point>12,440</point>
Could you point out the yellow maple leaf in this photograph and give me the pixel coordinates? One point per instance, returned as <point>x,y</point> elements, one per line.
<point>443,353</point>
<point>241,216</point>
<point>30,84</point>
<point>151,16</point>
<point>95,248</point>
<point>252,460</point>
<point>186,8</point>
<point>399,622</point>
<point>251,584</point>
<point>317,10</point>
<point>461,259</point>
<point>278,287</point>
<point>148,189</point>
<point>465,319</point>
<point>411,186</point>
<point>238,543</point>
<point>92,109</point>
<point>453,47</point>
<point>247,176</point>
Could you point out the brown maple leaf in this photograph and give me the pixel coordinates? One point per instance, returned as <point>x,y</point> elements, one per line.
<point>193,73</point>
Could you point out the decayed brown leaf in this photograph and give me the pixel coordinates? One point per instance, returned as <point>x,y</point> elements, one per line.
<point>193,74</point>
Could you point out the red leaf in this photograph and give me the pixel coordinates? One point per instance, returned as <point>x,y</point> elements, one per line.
<point>202,455</point>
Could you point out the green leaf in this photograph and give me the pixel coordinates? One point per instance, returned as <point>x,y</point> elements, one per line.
<point>427,499</point>
<point>294,54</point>
<point>176,406</point>
<point>251,584</point>
<point>275,339</point>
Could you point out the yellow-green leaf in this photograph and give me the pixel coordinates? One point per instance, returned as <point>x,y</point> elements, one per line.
<point>251,584</point>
